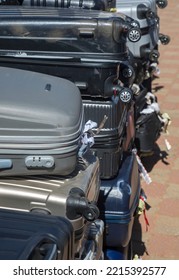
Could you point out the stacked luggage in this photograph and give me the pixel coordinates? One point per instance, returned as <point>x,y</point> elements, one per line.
<point>63,63</point>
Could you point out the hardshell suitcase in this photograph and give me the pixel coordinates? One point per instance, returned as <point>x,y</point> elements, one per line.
<point>94,79</point>
<point>73,197</point>
<point>145,12</point>
<point>86,47</point>
<point>118,201</point>
<point>85,4</point>
<point>108,142</point>
<point>41,123</point>
<point>71,33</point>
<point>28,236</point>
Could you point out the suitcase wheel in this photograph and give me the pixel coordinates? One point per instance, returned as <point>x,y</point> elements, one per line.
<point>162,3</point>
<point>164,39</point>
<point>126,95</point>
<point>134,35</point>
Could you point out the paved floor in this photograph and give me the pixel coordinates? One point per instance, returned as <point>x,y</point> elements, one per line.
<point>161,241</point>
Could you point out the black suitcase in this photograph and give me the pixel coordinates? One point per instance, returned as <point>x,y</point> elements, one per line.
<point>118,201</point>
<point>148,130</point>
<point>41,123</point>
<point>85,4</point>
<point>140,101</point>
<point>108,142</point>
<point>28,236</point>
<point>79,33</point>
<point>84,46</point>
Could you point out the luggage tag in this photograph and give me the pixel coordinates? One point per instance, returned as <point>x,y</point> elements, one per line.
<point>142,169</point>
<point>87,139</point>
<point>115,97</point>
<point>141,209</point>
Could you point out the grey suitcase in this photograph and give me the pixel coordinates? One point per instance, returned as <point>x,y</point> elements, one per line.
<point>41,122</point>
<point>73,197</point>
<point>145,12</point>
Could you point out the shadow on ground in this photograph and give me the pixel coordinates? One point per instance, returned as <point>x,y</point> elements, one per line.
<point>158,155</point>
<point>139,247</point>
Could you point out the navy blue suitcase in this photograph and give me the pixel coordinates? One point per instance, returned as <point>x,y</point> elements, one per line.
<point>28,236</point>
<point>118,201</point>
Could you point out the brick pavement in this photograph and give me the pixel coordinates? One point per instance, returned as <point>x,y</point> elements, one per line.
<point>161,241</point>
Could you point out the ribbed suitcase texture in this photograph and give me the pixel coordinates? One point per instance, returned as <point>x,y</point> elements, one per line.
<point>108,143</point>
<point>41,123</point>
<point>28,236</point>
<point>118,201</point>
<point>73,197</point>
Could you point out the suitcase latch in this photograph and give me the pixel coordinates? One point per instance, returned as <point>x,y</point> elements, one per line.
<point>39,162</point>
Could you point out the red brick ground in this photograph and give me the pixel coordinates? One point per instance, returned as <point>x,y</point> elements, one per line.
<point>161,241</point>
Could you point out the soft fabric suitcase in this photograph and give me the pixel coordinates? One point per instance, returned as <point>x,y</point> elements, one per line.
<point>145,13</point>
<point>41,123</point>
<point>140,101</point>
<point>118,201</point>
<point>148,130</point>
<point>108,142</point>
<point>73,196</point>
<point>28,236</point>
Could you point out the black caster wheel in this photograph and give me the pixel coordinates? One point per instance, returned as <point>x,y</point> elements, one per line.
<point>154,56</point>
<point>164,39</point>
<point>162,3</point>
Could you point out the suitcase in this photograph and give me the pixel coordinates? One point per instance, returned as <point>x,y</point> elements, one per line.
<point>41,123</point>
<point>28,236</point>
<point>118,201</point>
<point>108,142</point>
<point>145,12</point>
<point>84,50</point>
<point>148,130</point>
<point>73,196</point>
<point>71,33</point>
<point>85,4</point>
<point>140,101</point>
<point>94,79</point>
<point>92,248</point>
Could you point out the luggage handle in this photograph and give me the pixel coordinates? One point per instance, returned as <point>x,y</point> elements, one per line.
<point>51,251</point>
<point>43,239</point>
<point>86,33</point>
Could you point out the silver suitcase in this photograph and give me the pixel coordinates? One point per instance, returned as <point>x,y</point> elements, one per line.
<point>41,123</point>
<point>145,12</point>
<point>73,197</point>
